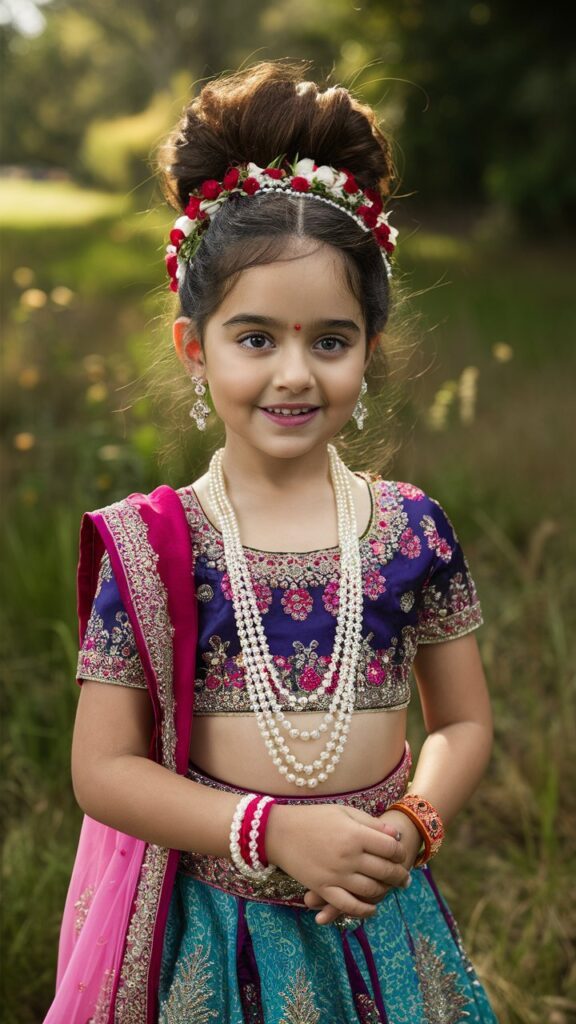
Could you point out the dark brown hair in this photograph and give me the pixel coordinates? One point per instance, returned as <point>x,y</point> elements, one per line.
<point>257,114</point>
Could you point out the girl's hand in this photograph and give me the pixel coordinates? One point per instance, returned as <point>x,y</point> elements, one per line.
<point>346,857</point>
<point>394,822</point>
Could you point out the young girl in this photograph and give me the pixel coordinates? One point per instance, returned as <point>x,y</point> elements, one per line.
<point>253,849</point>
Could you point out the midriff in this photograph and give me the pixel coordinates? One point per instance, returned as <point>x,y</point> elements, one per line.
<point>231,748</point>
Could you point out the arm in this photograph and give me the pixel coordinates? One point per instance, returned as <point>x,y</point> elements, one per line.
<point>116,783</point>
<point>458,719</point>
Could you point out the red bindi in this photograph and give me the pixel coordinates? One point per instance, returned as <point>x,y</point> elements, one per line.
<point>297,327</point>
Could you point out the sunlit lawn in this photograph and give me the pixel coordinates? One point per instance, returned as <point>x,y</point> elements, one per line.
<point>84,291</point>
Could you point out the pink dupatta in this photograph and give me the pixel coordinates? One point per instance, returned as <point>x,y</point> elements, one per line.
<point>114,918</point>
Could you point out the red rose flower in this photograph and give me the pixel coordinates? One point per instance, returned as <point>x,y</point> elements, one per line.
<point>300,184</point>
<point>375,198</point>
<point>251,185</point>
<point>177,236</point>
<point>275,172</point>
<point>174,285</point>
<point>231,178</point>
<point>369,215</point>
<point>193,208</point>
<point>350,184</point>
<point>171,264</point>
<point>211,189</point>
<point>382,233</point>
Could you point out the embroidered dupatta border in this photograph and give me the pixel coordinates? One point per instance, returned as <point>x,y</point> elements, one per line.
<point>148,540</point>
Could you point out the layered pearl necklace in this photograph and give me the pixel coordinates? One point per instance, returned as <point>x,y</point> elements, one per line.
<point>263,681</point>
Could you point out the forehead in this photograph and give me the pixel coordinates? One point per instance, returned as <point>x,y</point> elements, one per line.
<point>311,286</point>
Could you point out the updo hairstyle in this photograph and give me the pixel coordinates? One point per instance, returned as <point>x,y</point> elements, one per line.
<point>255,115</point>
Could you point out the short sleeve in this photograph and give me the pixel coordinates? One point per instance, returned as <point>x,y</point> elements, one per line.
<point>108,653</point>
<point>449,605</point>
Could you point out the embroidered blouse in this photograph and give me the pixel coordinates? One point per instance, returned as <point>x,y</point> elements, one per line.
<point>417,589</point>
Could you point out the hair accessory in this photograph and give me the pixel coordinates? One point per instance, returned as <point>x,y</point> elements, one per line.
<point>427,821</point>
<point>247,836</point>
<point>360,410</point>
<point>200,410</point>
<point>337,187</point>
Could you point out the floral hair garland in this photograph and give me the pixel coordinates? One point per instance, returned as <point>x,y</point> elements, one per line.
<point>303,177</point>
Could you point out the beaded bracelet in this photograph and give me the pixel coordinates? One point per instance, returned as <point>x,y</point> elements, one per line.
<point>246,836</point>
<point>428,822</point>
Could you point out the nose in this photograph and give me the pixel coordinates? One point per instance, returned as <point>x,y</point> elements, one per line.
<point>292,369</point>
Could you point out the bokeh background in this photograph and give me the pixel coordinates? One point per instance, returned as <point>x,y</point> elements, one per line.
<point>477,98</point>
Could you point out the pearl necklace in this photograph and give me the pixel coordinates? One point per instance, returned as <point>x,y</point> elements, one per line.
<point>262,678</point>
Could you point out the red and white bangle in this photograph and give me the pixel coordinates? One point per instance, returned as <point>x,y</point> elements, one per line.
<point>428,822</point>
<point>247,831</point>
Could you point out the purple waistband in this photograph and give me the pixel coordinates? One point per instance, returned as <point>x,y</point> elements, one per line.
<point>280,887</point>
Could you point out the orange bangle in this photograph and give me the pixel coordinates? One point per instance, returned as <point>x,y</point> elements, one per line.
<point>428,822</point>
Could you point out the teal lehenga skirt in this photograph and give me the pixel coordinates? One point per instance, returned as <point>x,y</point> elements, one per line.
<point>236,955</point>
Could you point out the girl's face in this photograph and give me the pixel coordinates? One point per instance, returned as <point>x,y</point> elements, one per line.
<point>288,334</point>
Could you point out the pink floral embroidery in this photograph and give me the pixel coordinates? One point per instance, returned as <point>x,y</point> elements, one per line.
<point>410,491</point>
<point>375,672</point>
<point>410,544</point>
<point>374,584</point>
<point>297,603</point>
<point>263,596</point>
<point>226,586</point>
<point>435,542</point>
<point>331,597</point>
<point>379,548</point>
<point>262,592</point>
<point>309,679</point>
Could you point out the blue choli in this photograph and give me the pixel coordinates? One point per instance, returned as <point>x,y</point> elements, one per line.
<point>417,588</point>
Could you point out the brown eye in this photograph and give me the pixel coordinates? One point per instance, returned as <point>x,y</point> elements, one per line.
<point>340,341</point>
<point>249,337</point>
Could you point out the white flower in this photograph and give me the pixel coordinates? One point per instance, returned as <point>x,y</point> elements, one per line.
<point>171,250</point>
<point>211,206</point>
<point>327,175</point>
<point>383,219</point>
<point>304,168</point>
<point>180,270</point>
<point>254,171</point>
<point>184,224</point>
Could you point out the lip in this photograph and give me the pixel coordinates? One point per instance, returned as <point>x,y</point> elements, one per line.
<point>290,421</point>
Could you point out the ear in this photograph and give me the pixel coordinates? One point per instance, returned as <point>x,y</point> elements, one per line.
<point>188,348</point>
<point>372,344</point>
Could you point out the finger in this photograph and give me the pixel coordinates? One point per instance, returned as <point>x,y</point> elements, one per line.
<point>313,900</point>
<point>382,845</point>
<point>382,870</point>
<point>346,902</point>
<point>328,915</point>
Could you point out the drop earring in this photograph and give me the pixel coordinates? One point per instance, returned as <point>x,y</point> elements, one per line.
<point>360,410</point>
<point>200,410</point>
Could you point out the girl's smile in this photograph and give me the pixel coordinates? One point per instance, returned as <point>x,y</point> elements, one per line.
<point>284,355</point>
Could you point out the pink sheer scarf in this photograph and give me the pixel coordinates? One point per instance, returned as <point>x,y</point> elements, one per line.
<point>115,913</point>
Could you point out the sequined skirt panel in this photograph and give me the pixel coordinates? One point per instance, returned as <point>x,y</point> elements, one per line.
<point>232,957</point>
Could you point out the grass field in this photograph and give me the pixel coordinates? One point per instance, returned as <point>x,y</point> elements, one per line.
<point>485,428</point>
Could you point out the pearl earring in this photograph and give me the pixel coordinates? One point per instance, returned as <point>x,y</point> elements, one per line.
<point>200,410</point>
<point>360,410</point>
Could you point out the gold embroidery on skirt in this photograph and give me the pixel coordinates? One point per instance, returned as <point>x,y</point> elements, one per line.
<point>367,1009</point>
<point>443,1003</point>
<point>190,992</point>
<point>299,1007</point>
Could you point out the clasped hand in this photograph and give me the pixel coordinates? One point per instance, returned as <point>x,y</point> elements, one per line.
<point>346,859</point>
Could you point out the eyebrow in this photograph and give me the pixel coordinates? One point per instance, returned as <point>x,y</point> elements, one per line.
<point>257,318</point>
